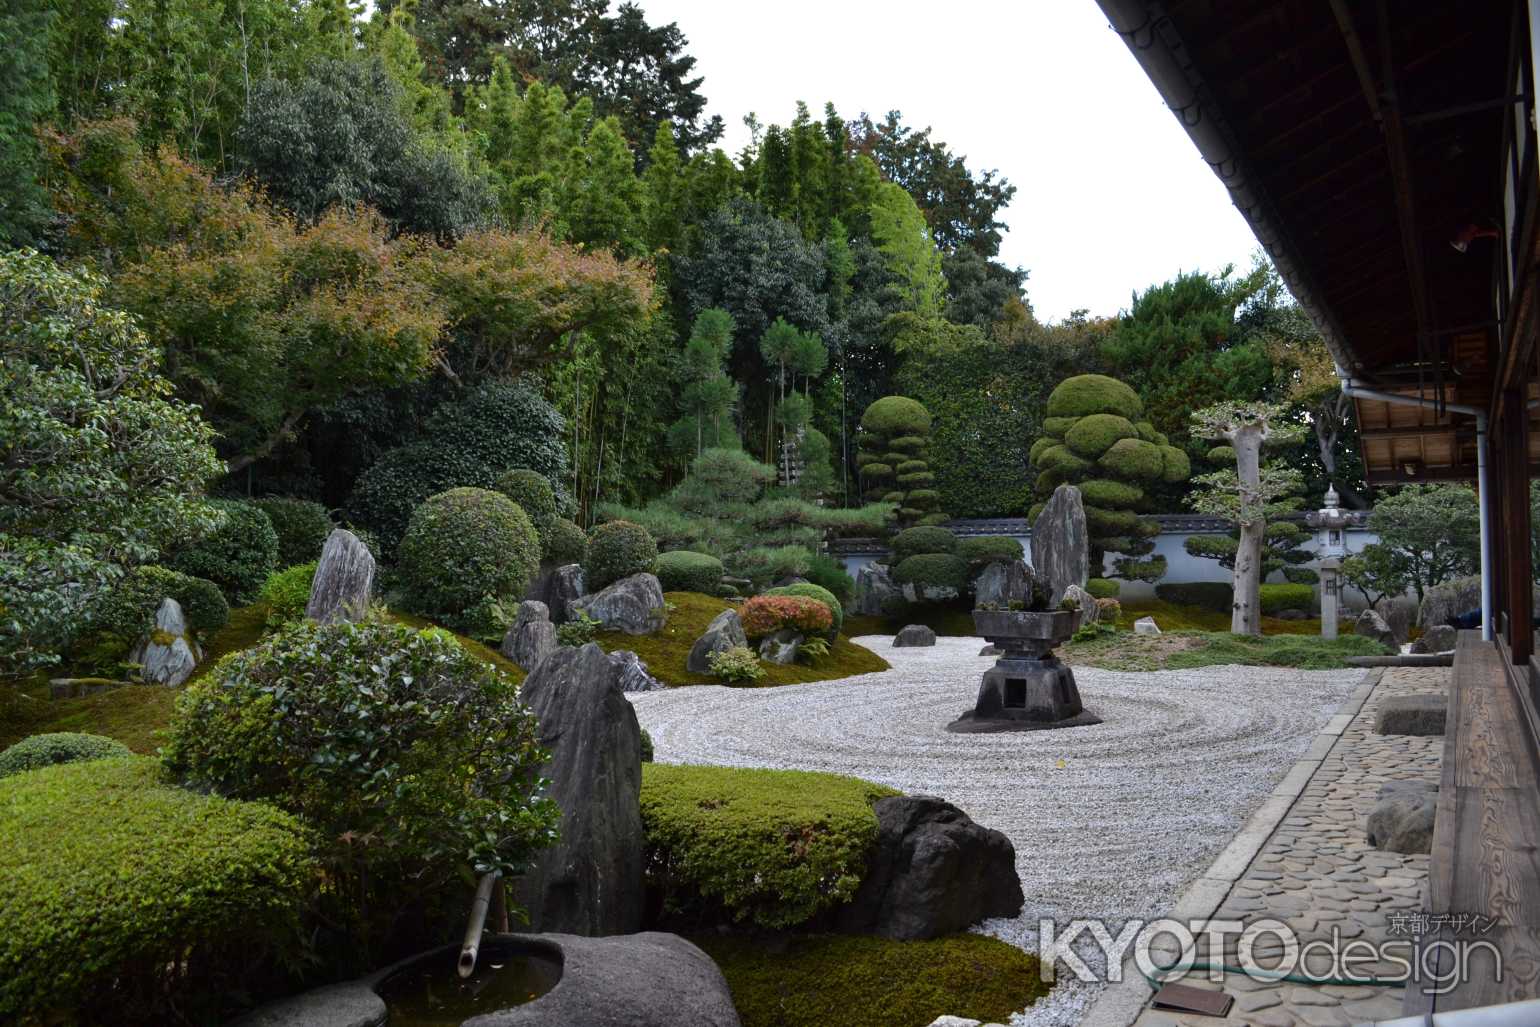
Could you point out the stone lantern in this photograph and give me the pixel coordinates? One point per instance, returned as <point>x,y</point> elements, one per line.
<point>1331,523</point>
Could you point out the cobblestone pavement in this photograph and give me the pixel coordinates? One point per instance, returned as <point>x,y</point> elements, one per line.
<point>1318,874</point>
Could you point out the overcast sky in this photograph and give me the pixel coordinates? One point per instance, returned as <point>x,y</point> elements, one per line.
<point>1111,195</point>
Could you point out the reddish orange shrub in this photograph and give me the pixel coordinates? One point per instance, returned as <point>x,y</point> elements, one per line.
<point>765,615</point>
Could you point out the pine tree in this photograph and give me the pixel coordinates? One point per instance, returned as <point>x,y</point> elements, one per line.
<point>708,393</point>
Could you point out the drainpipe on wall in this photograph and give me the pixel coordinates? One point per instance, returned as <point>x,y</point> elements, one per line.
<point>1360,392</point>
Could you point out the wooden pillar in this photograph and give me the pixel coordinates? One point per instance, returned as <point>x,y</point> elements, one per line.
<point>1512,448</point>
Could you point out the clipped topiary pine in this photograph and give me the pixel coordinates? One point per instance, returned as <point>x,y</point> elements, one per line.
<point>464,545</point>
<point>1095,437</point>
<point>893,459</point>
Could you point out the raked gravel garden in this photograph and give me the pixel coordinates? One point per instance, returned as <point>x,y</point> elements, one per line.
<point>1109,821</point>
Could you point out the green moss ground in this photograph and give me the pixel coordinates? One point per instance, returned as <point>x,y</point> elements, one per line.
<point>1179,650</point>
<point>862,981</point>
<point>137,715</point>
<point>665,653</point>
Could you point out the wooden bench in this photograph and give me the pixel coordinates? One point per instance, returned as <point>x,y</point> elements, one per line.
<point>1486,838</point>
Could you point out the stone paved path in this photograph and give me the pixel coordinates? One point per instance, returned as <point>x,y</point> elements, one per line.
<point>1318,874</point>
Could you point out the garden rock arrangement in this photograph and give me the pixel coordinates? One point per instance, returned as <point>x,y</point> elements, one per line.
<point>1398,613</point>
<point>344,579</point>
<point>934,871</point>
<point>781,647</point>
<point>1421,713</point>
<point>1085,602</point>
<point>559,588</point>
<point>634,676</point>
<point>723,633</point>
<point>914,635</point>
<point>1061,543</point>
<point>1439,639</point>
<point>532,635</point>
<point>168,656</point>
<point>633,605</point>
<point>1402,821</point>
<point>874,589</point>
<point>1000,581</point>
<point>590,881</point>
<point>1443,603</point>
<point>1371,625</point>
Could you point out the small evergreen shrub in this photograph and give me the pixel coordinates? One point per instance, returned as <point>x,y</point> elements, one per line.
<point>738,663</point>
<point>933,571</point>
<point>301,525</point>
<point>767,614</point>
<point>1218,596</point>
<point>646,746</point>
<point>463,545</point>
<point>1105,492</point>
<point>617,549</point>
<point>563,542</point>
<point>373,731</point>
<point>819,593</point>
<point>532,491</point>
<point>829,573</point>
<point>1094,435</point>
<point>287,593</point>
<point>1103,588</point>
<point>685,571</point>
<point>577,632</point>
<point>771,847</point>
<point>1277,598</point>
<point>128,610</point>
<point>237,556</point>
<point>919,541</point>
<point>58,747</point>
<point>130,901</point>
<point>1135,459</point>
<point>764,564</point>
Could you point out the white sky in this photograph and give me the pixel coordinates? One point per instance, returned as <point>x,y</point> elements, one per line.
<point>1111,195</point>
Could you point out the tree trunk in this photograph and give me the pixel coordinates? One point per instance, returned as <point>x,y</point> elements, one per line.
<point>1246,614</point>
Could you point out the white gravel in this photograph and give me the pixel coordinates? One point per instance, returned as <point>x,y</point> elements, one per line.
<point>1109,821</point>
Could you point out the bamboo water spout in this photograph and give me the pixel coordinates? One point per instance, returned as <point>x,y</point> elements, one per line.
<point>471,947</point>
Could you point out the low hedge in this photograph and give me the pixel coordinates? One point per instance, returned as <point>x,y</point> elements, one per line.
<point>237,556</point>
<point>1218,596</point>
<point>821,594</point>
<point>684,571</point>
<point>115,886</point>
<point>617,549</point>
<point>1277,598</point>
<point>933,570</point>
<point>771,847</point>
<point>302,527</point>
<point>58,747</point>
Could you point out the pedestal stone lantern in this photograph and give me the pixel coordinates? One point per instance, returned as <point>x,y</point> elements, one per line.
<point>1331,523</point>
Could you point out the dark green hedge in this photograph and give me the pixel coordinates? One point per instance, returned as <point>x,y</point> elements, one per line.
<point>1218,596</point>
<point>921,540</point>
<point>771,847</point>
<point>125,900</point>
<point>1277,598</point>
<point>466,544</point>
<point>684,571</point>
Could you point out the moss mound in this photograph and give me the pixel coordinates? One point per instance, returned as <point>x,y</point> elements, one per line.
<point>860,981</point>
<point>666,651</point>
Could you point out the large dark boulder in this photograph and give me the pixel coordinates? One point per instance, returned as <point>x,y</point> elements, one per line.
<point>724,632</point>
<point>532,635</point>
<point>343,580</point>
<point>558,588</point>
<point>633,605</point>
<point>1371,625</point>
<point>916,635</point>
<point>874,587</point>
<point>933,872</point>
<point>1439,639</point>
<point>590,881</point>
<point>1003,582</point>
<point>1061,545</point>
<point>634,675</point>
<point>1420,713</point>
<point>1402,820</point>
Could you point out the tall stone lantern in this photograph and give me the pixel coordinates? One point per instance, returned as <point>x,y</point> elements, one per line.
<point>1330,523</point>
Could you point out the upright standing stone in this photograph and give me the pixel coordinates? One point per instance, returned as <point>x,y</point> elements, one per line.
<point>562,585</point>
<point>1003,582</point>
<point>1371,625</point>
<point>343,580</point>
<point>532,636</point>
<point>874,586</point>
<point>1061,547</point>
<point>168,656</point>
<point>590,881</point>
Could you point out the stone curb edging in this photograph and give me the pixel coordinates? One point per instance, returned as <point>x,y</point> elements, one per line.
<point>1120,1004</point>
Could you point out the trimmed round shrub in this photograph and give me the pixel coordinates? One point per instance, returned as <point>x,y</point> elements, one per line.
<point>287,593</point>
<point>1093,394</point>
<point>1135,458</point>
<point>1111,523</point>
<point>169,879</point>
<point>1059,460</point>
<point>933,570</point>
<point>1094,435</point>
<point>617,549</point>
<point>466,544</point>
<point>1106,492</point>
<point>819,593</point>
<point>1217,596</point>
<point>58,747</point>
<point>302,527</point>
<point>237,556</point>
<point>769,847</point>
<point>563,542</point>
<point>684,571</point>
<point>908,443</point>
<point>919,540</point>
<point>373,730</point>
<point>469,441</point>
<point>766,614</point>
<point>128,610</point>
<point>1176,467</point>
<point>532,491</point>
<point>1041,446</point>
<point>1148,433</point>
<point>1103,588</point>
<point>1055,427</point>
<point>1277,598</point>
<point>1222,455</point>
<point>897,416</point>
<point>983,550</point>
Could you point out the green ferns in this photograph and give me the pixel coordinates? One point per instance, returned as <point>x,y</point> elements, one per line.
<point>771,847</point>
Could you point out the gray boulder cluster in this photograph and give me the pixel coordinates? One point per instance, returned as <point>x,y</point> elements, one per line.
<point>1371,625</point>
<point>724,632</point>
<point>633,605</point>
